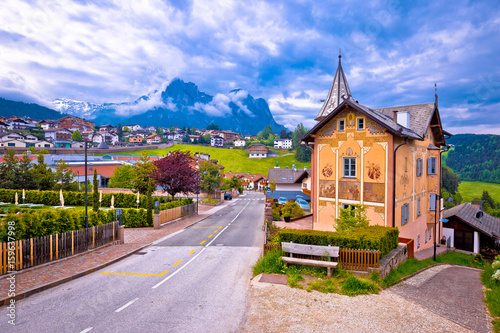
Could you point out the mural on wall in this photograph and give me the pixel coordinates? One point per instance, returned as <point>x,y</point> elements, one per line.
<point>374,192</point>
<point>349,190</point>
<point>327,188</point>
<point>375,128</point>
<point>327,170</point>
<point>374,171</point>
<point>328,129</point>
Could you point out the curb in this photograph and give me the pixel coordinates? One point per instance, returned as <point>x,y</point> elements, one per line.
<point>35,290</point>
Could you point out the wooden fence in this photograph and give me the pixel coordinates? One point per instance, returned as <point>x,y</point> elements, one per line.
<point>177,212</point>
<point>27,253</point>
<point>349,259</point>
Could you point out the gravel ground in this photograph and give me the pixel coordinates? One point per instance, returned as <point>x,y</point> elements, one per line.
<point>279,308</point>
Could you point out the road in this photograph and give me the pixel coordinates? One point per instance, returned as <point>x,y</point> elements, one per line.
<point>193,281</point>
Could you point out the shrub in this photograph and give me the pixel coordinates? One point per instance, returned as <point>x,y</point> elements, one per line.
<point>353,286</point>
<point>370,238</point>
<point>292,209</point>
<point>270,263</point>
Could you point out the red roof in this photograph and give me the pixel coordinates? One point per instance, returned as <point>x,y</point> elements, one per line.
<point>32,158</point>
<point>103,170</point>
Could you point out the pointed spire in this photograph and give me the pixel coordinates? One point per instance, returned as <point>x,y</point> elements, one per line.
<point>338,92</point>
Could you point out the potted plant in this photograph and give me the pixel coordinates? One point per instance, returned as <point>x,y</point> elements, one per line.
<point>287,216</point>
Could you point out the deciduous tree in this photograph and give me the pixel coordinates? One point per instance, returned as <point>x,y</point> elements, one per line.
<point>211,180</point>
<point>76,136</point>
<point>144,168</point>
<point>43,175</point>
<point>175,173</point>
<point>122,177</point>
<point>64,176</point>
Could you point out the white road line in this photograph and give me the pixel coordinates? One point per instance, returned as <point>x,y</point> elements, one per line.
<point>193,258</point>
<point>129,303</point>
<point>86,330</point>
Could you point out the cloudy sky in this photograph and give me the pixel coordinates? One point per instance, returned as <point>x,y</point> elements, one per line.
<point>283,51</point>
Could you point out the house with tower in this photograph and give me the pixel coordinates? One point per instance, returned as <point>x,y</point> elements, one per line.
<point>386,159</point>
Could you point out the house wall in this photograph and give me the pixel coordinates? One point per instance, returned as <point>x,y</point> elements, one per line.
<point>288,187</point>
<point>330,189</point>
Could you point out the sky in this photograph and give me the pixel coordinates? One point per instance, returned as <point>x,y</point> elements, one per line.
<point>393,52</point>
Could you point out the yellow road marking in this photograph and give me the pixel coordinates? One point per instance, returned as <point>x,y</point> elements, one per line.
<point>220,227</point>
<point>177,263</point>
<point>215,231</point>
<point>140,274</point>
<point>192,251</point>
<point>215,226</point>
<point>202,242</point>
<point>209,236</point>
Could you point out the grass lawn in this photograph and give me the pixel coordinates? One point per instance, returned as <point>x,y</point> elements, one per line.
<point>474,190</point>
<point>234,160</point>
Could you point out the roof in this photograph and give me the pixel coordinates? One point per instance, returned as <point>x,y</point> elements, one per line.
<point>257,148</point>
<point>338,92</point>
<point>420,115</point>
<point>103,170</point>
<point>288,176</point>
<point>467,213</point>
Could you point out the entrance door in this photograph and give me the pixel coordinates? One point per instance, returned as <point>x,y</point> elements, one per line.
<point>464,240</point>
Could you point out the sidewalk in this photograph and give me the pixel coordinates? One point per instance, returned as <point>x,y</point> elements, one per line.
<point>39,278</point>
<point>429,252</point>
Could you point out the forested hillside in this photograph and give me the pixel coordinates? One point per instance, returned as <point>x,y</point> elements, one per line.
<point>20,109</point>
<point>475,157</point>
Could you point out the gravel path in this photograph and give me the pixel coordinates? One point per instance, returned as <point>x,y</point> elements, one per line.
<point>279,308</point>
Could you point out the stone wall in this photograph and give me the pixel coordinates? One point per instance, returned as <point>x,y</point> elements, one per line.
<point>391,261</point>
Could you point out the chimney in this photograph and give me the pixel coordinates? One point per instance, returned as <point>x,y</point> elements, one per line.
<point>403,119</point>
<point>395,117</point>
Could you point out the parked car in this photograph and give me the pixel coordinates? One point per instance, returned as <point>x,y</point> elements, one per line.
<point>228,196</point>
<point>282,200</point>
<point>303,204</point>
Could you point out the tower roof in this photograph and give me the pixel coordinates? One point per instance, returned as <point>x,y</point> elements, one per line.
<point>338,92</point>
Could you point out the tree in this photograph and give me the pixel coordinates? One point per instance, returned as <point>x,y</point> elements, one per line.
<point>303,154</point>
<point>64,176</point>
<point>488,199</point>
<point>213,127</point>
<point>211,180</point>
<point>450,180</point>
<point>283,134</point>
<point>122,177</point>
<point>267,131</point>
<point>270,140</point>
<point>144,168</point>
<point>159,130</point>
<point>174,173</point>
<point>126,129</point>
<point>8,170</point>
<point>76,136</point>
<point>95,201</point>
<point>186,138</point>
<point>25,177</point>
<point>43,175</point>
<point>119,131</point>
<point>352,217</point>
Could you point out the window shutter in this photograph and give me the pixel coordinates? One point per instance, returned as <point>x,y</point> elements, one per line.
<point>403,211</point>
<point>407,212</point>
<point>429,166</point>
<point>418,207</point>
<point>432,203</point>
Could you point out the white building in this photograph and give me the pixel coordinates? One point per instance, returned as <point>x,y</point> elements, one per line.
<point>283,143</point>
<point>239,143</point>
<point>217,141</point>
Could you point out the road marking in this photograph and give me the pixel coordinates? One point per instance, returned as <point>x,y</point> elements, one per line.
<point>221,227</point>
<point>196,256</point>
<point>209,236</point>
<point>177,263</point>
<point>140,274</point>
<point>202,242</point>
<point>215,231</point>
<point>128,304</point>
<point>192,251</point>
<point>86,330</point>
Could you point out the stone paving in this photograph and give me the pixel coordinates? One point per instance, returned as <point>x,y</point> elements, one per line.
<point>45,276</point>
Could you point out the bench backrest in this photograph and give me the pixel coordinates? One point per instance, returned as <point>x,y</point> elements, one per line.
<point>314,250</point>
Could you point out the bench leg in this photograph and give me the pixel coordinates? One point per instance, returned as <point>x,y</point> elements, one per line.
<point>329,272</point>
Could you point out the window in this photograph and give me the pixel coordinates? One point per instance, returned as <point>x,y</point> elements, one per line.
<point>432,202</point>
<point>418,206</point>
<point>420,163</point>
<point>349,167</point>
<point>361,123</point>
<point>431,165</point>
<point>425,239</point>
<point>12,144</point>
<point>405,213</point>
<point>351,207</point>
<point>418,241</point>
<point>341,125</point>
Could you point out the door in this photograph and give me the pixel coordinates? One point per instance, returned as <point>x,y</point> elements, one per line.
<point>464,240</point>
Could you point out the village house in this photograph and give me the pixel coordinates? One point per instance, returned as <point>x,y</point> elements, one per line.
<point>73,123</point>
<point>58,134</point>
<point>239,143</point>
<point>283,143</point>
<point>386,159</point>
<point>217,141</point>
<point>135,138</point>
<point>258,150</point>
<point>154,138</point>
<point>290,182</point>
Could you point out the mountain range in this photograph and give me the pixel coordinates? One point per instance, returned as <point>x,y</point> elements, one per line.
<point>180,104</point>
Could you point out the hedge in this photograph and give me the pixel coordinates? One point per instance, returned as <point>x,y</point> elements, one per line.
<point>369,238</point>
<point>52,198</point>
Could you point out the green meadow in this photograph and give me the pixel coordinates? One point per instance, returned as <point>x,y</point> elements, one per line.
<point>234,160</point>
<point>474,190</point>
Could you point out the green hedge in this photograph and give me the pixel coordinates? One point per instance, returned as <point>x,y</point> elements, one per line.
<point>176,203</point>
<point>51,198</point>
<point>370,238</point>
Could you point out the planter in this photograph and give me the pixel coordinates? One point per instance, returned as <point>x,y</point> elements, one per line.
<point>286,218</point>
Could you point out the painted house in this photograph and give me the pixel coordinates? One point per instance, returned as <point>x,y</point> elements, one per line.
<point>257,150</point>
<point>387,159</point>
<point>154,138</point>
<point>290,182</point>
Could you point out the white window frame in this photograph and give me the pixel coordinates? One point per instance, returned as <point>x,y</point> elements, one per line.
<point>349,170</point>
<point>363,123</point>
<point>341,121</point>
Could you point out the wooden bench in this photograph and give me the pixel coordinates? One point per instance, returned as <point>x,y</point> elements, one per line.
<point>312,250</point>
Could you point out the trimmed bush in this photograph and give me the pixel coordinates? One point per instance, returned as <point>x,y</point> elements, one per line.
<point>369,238</point>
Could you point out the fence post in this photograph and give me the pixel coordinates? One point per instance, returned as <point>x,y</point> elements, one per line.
<point>93,237</point>
<point>31,244</point>
<point>156,221</point>
<point>50,238</point>
<point>121,234</point>
<point>57,246</point>
<point>72,243</point>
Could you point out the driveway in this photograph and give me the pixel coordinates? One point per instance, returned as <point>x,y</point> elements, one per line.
<point>441,299</point>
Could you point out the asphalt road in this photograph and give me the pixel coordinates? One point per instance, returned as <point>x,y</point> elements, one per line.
<point>193,281</point>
